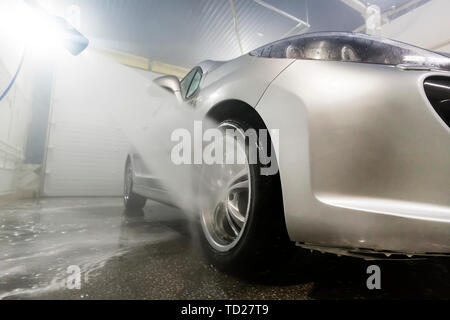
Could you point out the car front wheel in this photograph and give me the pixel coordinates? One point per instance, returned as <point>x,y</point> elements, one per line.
<point>241,213</point>
<point>132,201</point>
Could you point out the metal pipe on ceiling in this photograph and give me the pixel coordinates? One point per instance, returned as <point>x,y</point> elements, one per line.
<point>356,5</point>
<point>283,13</point>
<point>386,15</point>
<point>236,26</point>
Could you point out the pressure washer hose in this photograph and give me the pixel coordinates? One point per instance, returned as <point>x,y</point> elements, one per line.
<point>13,80</point>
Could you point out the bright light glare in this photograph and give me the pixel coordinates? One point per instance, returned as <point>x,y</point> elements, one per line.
<point>24,25</point>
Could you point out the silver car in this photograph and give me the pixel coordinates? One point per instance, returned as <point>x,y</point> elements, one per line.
<point>363,150</point>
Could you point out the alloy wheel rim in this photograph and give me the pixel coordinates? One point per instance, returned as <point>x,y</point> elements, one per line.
<point>227,189</point>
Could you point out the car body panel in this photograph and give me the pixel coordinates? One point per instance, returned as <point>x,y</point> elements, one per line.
<point>226,81</point>
<point>364,159</point>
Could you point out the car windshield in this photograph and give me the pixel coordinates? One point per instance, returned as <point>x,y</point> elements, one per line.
<point>353,47</point>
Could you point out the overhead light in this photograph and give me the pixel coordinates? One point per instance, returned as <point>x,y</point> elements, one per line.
<point>53,30</point>
<point>26,22</point>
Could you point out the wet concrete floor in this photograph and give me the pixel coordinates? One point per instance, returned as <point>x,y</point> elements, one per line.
<point>155,255</point>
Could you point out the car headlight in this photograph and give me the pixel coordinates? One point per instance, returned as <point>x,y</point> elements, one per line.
<point>352,47</point>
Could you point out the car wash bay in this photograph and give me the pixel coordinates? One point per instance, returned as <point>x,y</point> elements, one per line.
<point>155,255</point>
<point>62,155</point>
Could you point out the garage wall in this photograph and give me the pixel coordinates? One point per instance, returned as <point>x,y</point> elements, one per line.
<point>15,112</point>
<point>428,26</point>
<point>86,149</point>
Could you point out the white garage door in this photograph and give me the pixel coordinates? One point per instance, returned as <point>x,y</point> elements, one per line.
<point>86,149</point>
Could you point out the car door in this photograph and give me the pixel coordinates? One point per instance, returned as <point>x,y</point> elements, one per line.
<point>150,183</point>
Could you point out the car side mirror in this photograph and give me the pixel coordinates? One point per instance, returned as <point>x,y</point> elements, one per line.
<point>170,83</point>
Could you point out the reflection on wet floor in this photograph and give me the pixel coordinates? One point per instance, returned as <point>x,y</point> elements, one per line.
<point>41,239</point>
<point>154,255</point>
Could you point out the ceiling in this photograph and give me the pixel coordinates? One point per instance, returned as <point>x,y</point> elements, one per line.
<point>184,32</point>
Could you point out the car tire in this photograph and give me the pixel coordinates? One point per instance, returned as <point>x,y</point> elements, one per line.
<point>132,201</point>
<point>263,239</point>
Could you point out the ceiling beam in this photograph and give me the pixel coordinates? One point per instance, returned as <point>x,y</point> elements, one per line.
<point>236,26</point>
<point>385,17</point>
<point>283,13</point>
<point>299,27</point>
<point>356,5</point>
<point>405,6</point>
